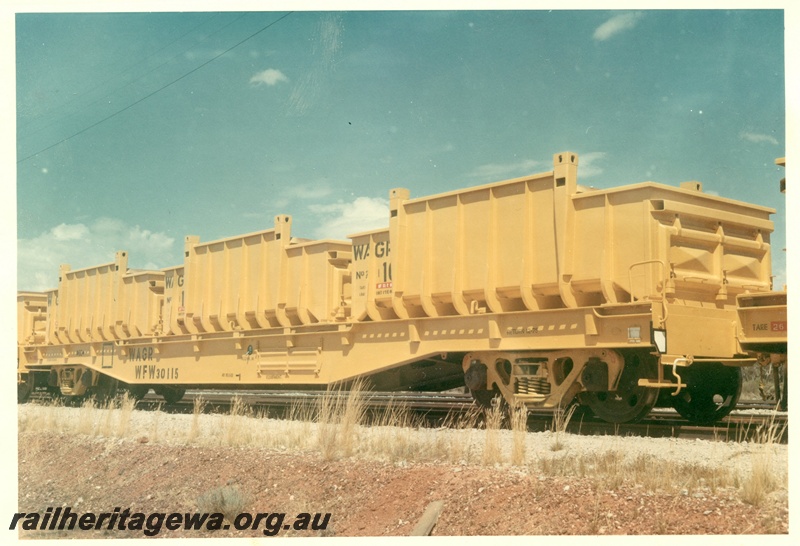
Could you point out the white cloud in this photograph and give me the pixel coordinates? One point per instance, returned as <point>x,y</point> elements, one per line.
<point>588,164</point>
<point>69,232</point>
<point>757,137</point>
<point>307,191</point>
<point>284,201</point>
<point>82,245</point>
<point>338,220</point>
<point>616,24</point>
<point>498,171</point>
<point>270,76</point>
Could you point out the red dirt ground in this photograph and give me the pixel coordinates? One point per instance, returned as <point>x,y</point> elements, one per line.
<point>365,498</point>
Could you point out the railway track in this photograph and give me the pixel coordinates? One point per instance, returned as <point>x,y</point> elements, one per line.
<point>751,418</point>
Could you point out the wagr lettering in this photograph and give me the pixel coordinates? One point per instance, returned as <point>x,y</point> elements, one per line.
<point>141,353</point>
<point>360,252</point>
<point>170,281</point>
<point>381,250</point>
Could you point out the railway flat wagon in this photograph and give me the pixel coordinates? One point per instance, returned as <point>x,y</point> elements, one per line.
<point>534,289</point>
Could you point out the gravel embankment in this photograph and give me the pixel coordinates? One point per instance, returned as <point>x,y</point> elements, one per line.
<point>378,481</point>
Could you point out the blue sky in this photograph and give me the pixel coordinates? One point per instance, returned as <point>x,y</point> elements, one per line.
<point>134,130</point>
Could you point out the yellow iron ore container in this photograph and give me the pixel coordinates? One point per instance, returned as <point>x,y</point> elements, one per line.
<point>106,302</point>
<point>542,242</point>
<point>261,280</point>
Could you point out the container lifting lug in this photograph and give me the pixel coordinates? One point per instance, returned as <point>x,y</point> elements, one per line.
<point>722,295</point>
<point>669,289</point>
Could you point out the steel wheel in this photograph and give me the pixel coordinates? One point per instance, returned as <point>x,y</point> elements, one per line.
<point>106,389</point>
<point>172,394</point>
<point>630,402</point>
<point>25,389</point>
<point>137,392</point>
<point>483,397</point>
<point>712,391</point>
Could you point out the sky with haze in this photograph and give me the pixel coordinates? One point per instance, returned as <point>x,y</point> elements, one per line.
<point>134,130</point>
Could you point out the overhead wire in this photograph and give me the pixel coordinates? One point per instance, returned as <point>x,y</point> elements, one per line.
<point>173,82</point>
<point>118,74</point>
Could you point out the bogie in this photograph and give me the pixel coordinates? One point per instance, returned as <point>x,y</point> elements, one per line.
<point>605,381</point>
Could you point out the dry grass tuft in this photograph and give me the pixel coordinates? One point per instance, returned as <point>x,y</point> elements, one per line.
<point>561,418</point>
<point>108,419</point>
<point>763,478</point>
<point>519,428</point>
<point>491,448</point>
<point>227,500</point>
<point>155,423</point>
<point>238,425</point>
<point>85,423</point>
<point>352,417</point>
<point>126,406</point>
<point>456,444</point>
<point>392,435</point>
<point>298,429</point>
<point>199,407</point>
<point>612,467</point>
<point>338,419</point>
